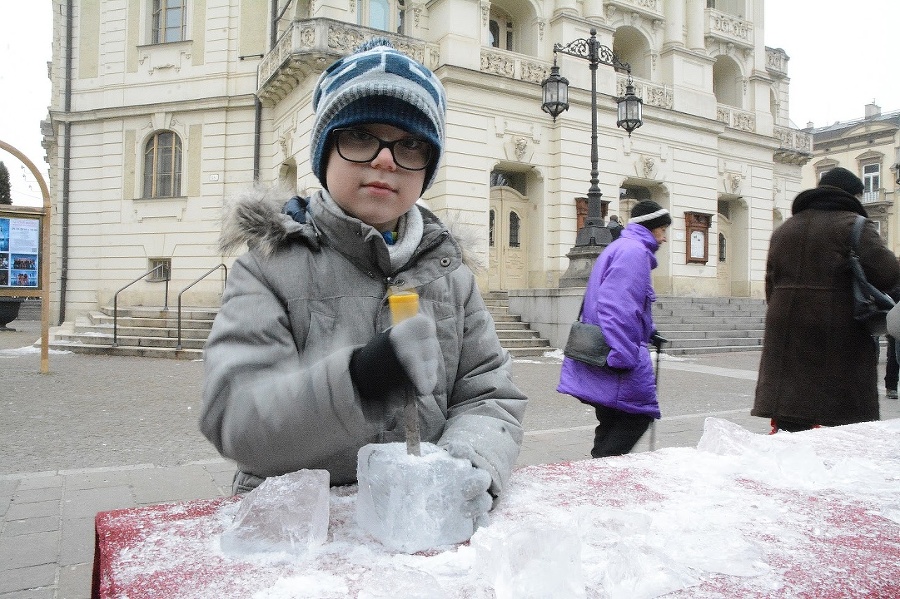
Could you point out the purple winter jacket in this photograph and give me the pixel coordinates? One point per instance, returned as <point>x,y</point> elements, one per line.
<point>619,297</point>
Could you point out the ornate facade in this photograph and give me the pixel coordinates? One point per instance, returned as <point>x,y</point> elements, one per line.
<point>162,110</point>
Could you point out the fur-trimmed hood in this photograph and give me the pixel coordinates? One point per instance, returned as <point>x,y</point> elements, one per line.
<point>257,218</point>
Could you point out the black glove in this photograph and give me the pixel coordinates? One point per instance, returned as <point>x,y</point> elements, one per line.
<point>375,369</point>
<point>408,352</point>
<point>657,340</point>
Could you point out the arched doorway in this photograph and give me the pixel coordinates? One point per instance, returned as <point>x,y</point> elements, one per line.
<point>507,239</point>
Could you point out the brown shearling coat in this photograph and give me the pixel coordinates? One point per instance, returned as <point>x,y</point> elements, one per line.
<point>818,365</point>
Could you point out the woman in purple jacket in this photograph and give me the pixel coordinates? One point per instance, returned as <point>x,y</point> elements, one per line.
<point>619,298</point>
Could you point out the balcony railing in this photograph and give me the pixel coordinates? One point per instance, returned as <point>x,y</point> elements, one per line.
<point>871,197</point>
<point>653,94</point>
<point>649,8</point>
<point>513,65</point>
<point>736,118</point>
<point>794,146</point>
<point>728,28</point>
<point>306,46</point>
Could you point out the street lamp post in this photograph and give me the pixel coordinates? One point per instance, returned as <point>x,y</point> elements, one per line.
<point>593,236</point>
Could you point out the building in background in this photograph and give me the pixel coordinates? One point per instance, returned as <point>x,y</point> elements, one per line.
<point>162,109</point>
<point>870,147</point>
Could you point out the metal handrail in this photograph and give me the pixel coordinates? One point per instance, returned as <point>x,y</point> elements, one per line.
<point>116,299</point>
<point>200,278</point>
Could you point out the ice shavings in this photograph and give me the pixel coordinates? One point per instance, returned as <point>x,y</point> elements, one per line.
<point>791,515</point>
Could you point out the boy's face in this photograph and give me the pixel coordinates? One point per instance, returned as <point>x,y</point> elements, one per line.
<point>377,192</point>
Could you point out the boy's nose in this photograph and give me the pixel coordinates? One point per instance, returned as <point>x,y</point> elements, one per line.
<point>384,159</point>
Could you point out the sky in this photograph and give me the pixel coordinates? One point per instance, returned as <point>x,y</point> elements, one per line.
<point>840,60</point>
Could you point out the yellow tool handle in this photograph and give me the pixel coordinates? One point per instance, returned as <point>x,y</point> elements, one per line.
<point>404,304</point>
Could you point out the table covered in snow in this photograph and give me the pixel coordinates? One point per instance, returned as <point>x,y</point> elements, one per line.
<point>813,514</point>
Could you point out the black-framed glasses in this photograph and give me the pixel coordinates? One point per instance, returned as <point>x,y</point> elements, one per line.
<point>356,145</point>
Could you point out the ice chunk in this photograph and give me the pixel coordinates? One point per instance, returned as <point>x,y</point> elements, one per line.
<point>533,562</point>
<point>412,503</point>
<point>723,437</point>
<point>285,513</point>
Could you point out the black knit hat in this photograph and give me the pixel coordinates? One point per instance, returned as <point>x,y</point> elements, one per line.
<point>842,179</point>
<point>650,214</point>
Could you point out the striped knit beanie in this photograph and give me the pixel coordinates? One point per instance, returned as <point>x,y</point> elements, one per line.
<point>378,84</point>
<point>650,214</point>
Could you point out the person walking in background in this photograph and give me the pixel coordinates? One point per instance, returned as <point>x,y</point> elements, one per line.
<point>819,366</point>
<point>619,297</point>
<point>302,366</point>
<point>891,369</point>
<point>615,227</point>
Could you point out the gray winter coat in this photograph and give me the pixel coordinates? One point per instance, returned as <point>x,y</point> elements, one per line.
<point>278,396</point>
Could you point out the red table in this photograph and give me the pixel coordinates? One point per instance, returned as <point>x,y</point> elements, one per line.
<point>813,514</point>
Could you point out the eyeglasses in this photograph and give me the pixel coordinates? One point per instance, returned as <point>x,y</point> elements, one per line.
<point>356,145</point>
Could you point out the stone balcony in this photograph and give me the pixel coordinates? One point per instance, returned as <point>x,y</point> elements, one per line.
<point>307,47</point>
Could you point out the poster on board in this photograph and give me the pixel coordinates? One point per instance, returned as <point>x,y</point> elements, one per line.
<point>19,258</point>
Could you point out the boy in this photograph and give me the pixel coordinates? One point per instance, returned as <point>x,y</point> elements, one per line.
<point>301,367</point>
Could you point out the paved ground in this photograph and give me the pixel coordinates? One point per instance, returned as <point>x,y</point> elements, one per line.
<point>100,433</point>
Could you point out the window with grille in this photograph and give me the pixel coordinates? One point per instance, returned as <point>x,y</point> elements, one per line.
<point>168,21</point>
<point>162,166</point>
<point>514,224</point>
<point>161,269</point>
<point>491,229</point>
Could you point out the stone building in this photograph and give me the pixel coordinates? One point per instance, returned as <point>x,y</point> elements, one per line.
<point>163,109</point>
<point>870,147</point>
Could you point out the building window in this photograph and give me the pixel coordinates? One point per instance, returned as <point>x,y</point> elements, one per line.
<point>871,182</point>
<point>168,21</point>
<point>500,30</point>
<point>387,15</point>
<point>491,229</point>
<point>162,166</point>
<point>513,230</point>
<point>722,247</point>
<point>160,269</point>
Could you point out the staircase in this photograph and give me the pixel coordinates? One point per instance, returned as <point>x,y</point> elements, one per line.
<point>705,325</point>
<point>692,326</point>
<point>139,331</point>
<point>515,336</point>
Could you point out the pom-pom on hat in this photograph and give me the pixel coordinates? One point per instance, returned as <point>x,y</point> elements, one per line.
<point>842,179</point>
<point>378,84</point>
<point>650,214</point>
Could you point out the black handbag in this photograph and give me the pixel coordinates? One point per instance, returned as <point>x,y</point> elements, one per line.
<point>870,304</point>
<point>586,342</point>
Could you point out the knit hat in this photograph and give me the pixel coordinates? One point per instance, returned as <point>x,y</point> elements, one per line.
<point>378,84</point>
<point>650,214</point>
<point>842,179</point>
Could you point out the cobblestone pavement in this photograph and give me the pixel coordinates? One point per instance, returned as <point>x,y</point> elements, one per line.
<point>99,433</point>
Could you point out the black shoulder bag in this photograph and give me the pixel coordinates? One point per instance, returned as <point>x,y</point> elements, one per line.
<point>870,304</point>
<point>586,342</point>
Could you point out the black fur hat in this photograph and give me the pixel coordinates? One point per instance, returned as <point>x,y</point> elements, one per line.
<point>842,179</point>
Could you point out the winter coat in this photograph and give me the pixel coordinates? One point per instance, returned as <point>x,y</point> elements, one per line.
<point>278,396</point>
<point>818,364</point>
<point>619,297</point>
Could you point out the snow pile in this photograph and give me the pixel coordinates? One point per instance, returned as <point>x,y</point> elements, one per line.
<point>812,514</point>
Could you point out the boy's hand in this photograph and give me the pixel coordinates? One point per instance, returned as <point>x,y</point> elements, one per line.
<point>415,343</point>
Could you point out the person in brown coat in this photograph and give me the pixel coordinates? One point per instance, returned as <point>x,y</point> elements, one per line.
<point>818,364</point>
